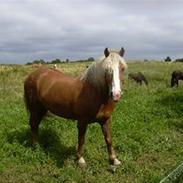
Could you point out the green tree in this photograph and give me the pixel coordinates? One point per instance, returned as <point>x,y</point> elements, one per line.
<point>168,59</point>
<point>56,61</point>
<point>91,59</point>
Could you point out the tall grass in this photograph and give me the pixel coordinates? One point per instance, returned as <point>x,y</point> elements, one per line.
<point>147,134</point>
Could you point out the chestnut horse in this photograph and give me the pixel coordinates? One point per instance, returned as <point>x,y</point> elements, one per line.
<point>176,76</point>
<point>88,98</point>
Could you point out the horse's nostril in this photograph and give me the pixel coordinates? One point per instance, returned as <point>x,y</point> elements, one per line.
<point>116,96</point>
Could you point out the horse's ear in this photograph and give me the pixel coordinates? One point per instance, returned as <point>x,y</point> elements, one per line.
<point>106,52</point>
<point>121,52</point>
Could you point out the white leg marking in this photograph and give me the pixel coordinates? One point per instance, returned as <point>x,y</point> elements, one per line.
<point>117,162</point>
<point>81,161</point>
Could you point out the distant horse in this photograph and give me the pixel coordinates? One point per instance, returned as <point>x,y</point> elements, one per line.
<point>88,98</point>
<point>138,77</point>
<point>176,76</point>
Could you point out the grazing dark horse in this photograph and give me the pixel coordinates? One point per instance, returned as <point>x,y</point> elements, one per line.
<point>138,77</point>
<point>176,76</point>
<point>88,98</point>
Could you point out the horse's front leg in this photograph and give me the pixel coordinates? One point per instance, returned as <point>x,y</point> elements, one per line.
<point>106,129</point>
<point>81,139</point>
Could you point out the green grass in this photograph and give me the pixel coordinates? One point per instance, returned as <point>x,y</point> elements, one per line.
<point>147,133</point>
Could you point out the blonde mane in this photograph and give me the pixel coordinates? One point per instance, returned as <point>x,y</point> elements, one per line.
<point>95,73</point>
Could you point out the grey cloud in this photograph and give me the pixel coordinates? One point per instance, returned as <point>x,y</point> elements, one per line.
<point>32,29</point>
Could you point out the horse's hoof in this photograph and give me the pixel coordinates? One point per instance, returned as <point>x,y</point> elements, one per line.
<point>116,162</point>
<point>81,162</point>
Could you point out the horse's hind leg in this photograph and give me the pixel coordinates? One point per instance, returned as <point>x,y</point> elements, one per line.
<point>81,138</point>
<point>36,115</point>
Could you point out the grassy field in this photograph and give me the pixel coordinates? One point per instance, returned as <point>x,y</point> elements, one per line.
<point>147,129</point>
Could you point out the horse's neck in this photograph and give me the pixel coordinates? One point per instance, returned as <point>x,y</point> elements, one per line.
<point>96,77</point>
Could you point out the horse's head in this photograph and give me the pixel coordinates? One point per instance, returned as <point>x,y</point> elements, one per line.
<point>114,66</point>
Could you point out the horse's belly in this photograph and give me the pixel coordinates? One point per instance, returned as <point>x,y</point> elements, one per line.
<point>59,102</point>
<point>92,113</point>
<point>62,111</point>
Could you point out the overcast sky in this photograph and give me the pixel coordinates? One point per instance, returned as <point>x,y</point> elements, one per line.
<point>79,29</point>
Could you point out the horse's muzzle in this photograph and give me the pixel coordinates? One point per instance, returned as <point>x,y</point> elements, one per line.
<point>116,96</point>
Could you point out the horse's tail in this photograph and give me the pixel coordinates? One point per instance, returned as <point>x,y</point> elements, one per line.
<point>28,95</point>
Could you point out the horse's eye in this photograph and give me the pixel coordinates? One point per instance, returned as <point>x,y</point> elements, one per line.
<point>108,74</point>
<point>122,69</point>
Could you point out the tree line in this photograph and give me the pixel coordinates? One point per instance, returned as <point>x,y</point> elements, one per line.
<point>91,59</point>
<point>57,61</point>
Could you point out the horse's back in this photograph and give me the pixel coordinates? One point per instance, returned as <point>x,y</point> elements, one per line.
<point>177,73</point>
<point>48,76</point>
<point>44,71</point>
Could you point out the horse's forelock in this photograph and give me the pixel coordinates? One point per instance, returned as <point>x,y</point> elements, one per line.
<point>113,59</point>
<point>95,72</point>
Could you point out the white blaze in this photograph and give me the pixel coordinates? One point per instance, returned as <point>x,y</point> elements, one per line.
<point>116,88</point>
